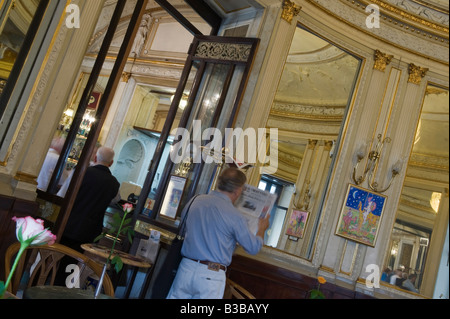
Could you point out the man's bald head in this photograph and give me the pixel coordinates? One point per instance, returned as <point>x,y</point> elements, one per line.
<point>105,156</point>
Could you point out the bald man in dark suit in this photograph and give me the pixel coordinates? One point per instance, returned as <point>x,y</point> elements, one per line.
<point>98,189</point>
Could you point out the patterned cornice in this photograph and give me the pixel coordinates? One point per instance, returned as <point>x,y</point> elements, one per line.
<point>415,18</point>
<point>312,113</point>
<point>406,20</point>
<point>430,45</point>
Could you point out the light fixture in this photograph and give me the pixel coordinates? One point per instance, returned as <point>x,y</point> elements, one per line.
<point>394,251</point>
<point>372,162</point>
<point>183,102</point>
<point>69,112</point>
<point>435,201</point>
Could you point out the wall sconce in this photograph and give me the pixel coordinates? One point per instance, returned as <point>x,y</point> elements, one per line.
<point>371,165</point>
<point>69,112</point>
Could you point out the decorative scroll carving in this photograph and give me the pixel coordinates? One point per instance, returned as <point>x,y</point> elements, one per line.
<point>224,51</point>
<point>382,60</point>
<point>416,73</point>
<point>290,10</point>
<point>141,35</point>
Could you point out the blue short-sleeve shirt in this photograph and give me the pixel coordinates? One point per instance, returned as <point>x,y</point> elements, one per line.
<point>214,227</point>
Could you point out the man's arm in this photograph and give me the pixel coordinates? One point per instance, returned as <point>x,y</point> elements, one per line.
<point>263,224</point>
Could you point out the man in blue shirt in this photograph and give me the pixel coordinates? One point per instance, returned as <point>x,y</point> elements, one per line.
<point>213,228</point>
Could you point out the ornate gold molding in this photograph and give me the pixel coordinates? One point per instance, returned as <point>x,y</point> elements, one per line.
<point>378,37</point>
<point>302,116</point>
<point>126,77</point>
<point>312,144</point>
<point>329,145</point>
<point>416,74</point>
<point>27,178</point>
<point>290,10</point>
<point>382,60</point>
<point>409,16</point>
<point>224,51</point>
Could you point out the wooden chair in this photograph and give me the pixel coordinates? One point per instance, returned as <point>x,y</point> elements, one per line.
<point>236,291</point>
<point>30,272</point>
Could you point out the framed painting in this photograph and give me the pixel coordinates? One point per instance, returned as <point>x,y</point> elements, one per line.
<point>297,223</point>
<point>94,100</point>
<point>361,215</point>
<point>173,196</point>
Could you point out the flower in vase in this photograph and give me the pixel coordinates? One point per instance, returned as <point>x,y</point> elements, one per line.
<point>120,225</point>
<point>29,232</point>
<point>316,293</point>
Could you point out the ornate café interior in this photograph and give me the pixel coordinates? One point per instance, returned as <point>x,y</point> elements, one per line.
<point>336,111</point>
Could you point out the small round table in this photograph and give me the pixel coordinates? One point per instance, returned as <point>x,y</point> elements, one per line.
<point>135,261</point>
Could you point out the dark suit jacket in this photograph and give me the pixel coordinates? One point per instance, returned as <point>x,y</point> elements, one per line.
<point>97,190</point>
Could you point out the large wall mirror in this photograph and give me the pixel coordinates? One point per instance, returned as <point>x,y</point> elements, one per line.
<point>309,109</point>
<point>139,136</point>
<point>15,18</point>
<point>422,215</point>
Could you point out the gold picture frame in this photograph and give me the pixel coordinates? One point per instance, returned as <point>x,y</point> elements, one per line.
<point>361,215</point>
<point>172,198</point>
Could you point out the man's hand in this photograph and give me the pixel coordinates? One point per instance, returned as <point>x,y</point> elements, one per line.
<point>263,224</point>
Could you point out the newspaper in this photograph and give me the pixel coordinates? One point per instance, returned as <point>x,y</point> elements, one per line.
<point>254,204</point>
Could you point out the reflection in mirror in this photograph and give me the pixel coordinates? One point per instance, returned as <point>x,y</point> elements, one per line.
<point>62,131</point>
<point>417,232</point>
<point>13,29</point>
<point>139,137</point>
<point>309,109</point>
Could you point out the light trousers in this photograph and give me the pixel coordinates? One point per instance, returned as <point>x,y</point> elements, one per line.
<point>195,281</point>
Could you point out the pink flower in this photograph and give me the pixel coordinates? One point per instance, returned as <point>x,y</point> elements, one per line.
<point>32,229</point>
<point>127,207</point>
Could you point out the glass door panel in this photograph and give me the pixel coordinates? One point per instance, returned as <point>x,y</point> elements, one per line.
<point>219,67</point>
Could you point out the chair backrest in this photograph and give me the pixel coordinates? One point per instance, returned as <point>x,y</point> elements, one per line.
<point>41,263</point>
<point>236,291</point>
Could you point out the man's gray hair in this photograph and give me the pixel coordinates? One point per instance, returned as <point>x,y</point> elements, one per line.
<point>231,179</point>
<point>105,155</point>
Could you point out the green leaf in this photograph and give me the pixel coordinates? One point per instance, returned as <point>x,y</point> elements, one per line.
<point>2,289</point>
<point>117,218</point>
<point>130,235</point>
<point>124,229</point>
<point>316,294</point>
<point>117,262</point>
<point>99,237</point>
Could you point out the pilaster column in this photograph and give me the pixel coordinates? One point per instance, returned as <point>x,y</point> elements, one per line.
<point>271,70</point>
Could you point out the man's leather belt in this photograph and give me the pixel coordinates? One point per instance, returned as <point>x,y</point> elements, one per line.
<point>211,265</point>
